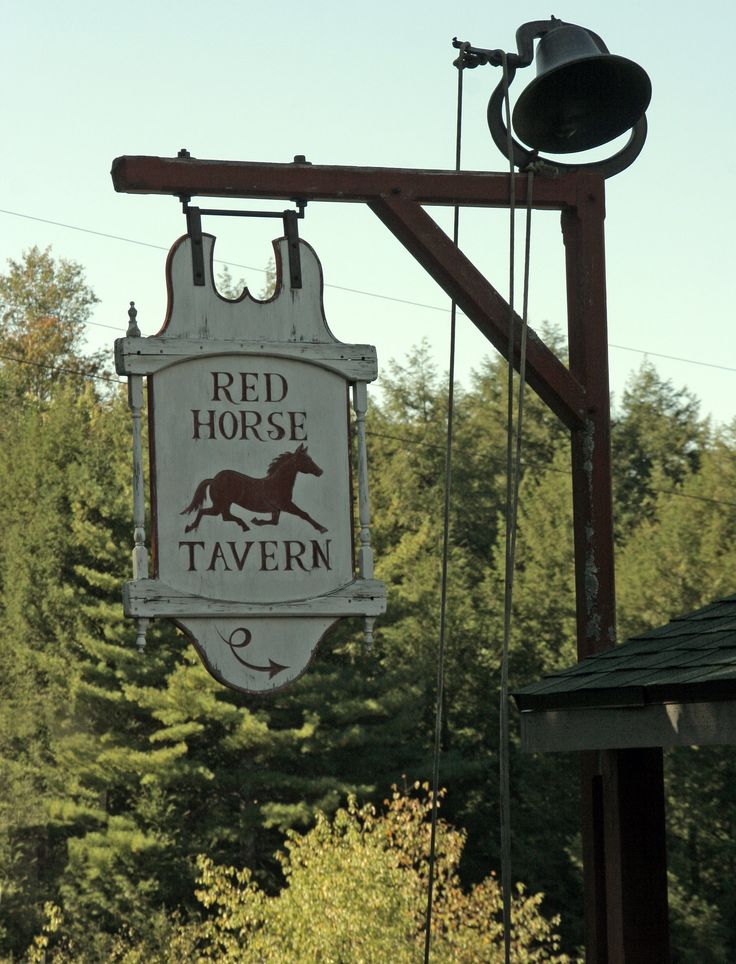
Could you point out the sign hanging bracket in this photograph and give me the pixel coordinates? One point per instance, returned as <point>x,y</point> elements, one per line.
<point>290,219</point>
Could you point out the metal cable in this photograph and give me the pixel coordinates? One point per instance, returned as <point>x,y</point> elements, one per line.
<point>513,479</point>
<point>445,552</point>
<point>503,746</point>
<point>62,370</point>
<point>355,291</point>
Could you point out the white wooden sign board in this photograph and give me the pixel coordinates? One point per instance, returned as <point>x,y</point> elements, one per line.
<point>251,493</point>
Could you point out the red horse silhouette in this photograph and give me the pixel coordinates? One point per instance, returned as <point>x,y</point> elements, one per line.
<point>270,494</point>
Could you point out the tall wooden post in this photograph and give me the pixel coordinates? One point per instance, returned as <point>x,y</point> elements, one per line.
<point>622,791</point>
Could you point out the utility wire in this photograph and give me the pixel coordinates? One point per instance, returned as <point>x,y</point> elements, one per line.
<point>678,358</point>
<point>355,291</point>
<point>546,467</point>
<point>97,324</point>
<point>61,370</point>
<point>76,227</point>
<point>232,264</point>
<point>395,438</point>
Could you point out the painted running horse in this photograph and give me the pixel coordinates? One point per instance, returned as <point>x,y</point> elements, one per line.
<point>269,494</point>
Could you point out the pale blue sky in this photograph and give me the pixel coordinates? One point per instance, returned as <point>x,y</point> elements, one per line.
<point>368,84</point>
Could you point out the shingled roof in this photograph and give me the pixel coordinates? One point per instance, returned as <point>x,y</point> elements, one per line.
<point>690,660</point>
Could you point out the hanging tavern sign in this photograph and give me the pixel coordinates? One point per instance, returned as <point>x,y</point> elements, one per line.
<point>251,492</point>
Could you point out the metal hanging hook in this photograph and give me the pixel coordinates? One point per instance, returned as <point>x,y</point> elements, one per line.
<point>289,217</point>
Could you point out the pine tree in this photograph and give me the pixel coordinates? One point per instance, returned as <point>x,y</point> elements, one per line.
<point>44,307</point>
<point>116,769</point>
<point>657,440</point>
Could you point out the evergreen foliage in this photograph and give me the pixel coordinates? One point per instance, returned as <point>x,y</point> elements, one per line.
<point>355,890</point>
<point>657,442</point>
<point>44,305</point>
<point>117,770</point>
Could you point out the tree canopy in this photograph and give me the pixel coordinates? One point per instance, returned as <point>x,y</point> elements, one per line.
<point>117,771</point>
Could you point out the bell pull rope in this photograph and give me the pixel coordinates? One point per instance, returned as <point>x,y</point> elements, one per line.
<point>445,542</point>
<point>513,479</point>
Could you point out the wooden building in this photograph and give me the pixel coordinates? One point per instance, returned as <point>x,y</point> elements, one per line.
<point>670,686</point>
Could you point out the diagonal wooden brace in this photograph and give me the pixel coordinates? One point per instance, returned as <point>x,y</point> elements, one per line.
<point>480,301</point>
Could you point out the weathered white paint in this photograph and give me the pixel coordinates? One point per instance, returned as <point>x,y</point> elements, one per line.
<point>365,552</point>
<point>292,324</point>
<point>150,597</point>
<point>619,727</point>
<point>241,393</point>
<point>197,436</point>
<point>273,655</point>
<point>140,552</point>
<point>149,355</point>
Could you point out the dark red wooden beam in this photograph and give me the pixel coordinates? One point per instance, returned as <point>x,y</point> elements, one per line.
<point>396,196</point>
<point>322,182</point>
<point>622,791</point>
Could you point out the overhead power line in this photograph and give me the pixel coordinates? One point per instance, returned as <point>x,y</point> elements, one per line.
<point>78,373</point>
<point>233,264</point>
<point>545,467</point>
<point>76,227</point>
<point>61,369</point>
<point>687,361</point>
<point>355,291</point>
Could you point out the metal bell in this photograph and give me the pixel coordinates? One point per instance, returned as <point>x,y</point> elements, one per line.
<point>582,96</point>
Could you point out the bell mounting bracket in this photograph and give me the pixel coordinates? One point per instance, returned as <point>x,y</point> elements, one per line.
<point>523,157</point>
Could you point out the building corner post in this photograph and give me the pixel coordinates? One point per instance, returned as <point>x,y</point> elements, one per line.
<point>622,791</point>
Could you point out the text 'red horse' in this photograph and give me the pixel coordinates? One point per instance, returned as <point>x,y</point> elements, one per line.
<point>270,494</point>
